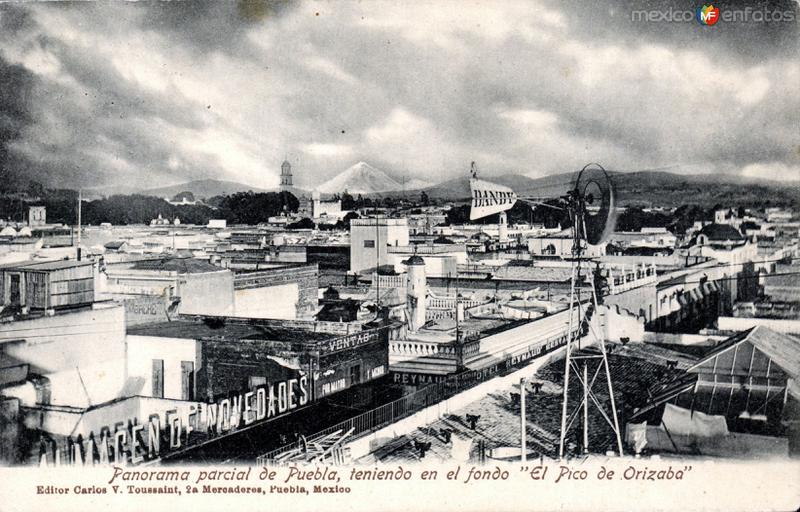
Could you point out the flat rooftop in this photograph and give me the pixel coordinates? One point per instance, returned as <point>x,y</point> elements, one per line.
<point>45,265</point>
<point>635,368</point>
<point>195,330</point>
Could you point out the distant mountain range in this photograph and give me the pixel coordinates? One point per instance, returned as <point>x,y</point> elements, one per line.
<point>199,188</point>
<point>202,188</point>
<point>642,187</point>
<point>360,178</point>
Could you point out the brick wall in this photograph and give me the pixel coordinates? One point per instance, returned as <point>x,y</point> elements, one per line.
<point>306,277</point>
<point>229,364</point>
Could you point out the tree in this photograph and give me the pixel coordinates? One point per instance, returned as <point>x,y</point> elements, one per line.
<point>685,216</point>
<point>345,222</point>
<point>457,215</point>
<point>423,198</point>
<point>35,189</point>
<point>253,208</point>
<point>634,219</point>
<point>180,196</point>
<point>301,224</point>
<point>348,203</point>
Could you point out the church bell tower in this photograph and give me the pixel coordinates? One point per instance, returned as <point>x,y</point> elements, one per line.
<point>286,175</point>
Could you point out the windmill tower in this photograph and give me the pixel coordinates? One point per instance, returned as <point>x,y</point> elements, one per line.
<point>591,208</point>
<point>590,204</point>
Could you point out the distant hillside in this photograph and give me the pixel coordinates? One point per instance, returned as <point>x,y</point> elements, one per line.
<point>202,189</point>
<point>417,184</point>
<point>645,188</point>
<point>458,188</point>
<point>668,189</point>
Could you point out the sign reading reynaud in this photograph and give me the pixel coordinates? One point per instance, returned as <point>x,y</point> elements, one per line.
<point>132,442</point>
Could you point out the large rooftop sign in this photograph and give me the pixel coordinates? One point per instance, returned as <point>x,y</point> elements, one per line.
<point>489,198</point>
<point>131,441</point>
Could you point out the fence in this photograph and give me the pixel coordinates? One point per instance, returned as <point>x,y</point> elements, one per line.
<point>429,395</point>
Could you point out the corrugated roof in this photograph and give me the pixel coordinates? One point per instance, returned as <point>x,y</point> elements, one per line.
<point>46,265</point>
<point>784,350</point>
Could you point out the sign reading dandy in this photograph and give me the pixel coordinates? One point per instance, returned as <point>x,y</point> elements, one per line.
<point>132,442</point>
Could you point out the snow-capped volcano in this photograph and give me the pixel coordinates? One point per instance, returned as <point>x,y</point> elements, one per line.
<point>360,178</point>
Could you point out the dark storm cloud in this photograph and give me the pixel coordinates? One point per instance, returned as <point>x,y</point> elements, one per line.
<point>210,25</point>
<point>15,19</point>
<point>70,134</point>
<point>110,95</point>
<point>180,90</point>
<point>749,40</point>
<point>104,114</point>
<point>16,84</point>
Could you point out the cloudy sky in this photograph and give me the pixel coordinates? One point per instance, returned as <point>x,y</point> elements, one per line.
<point>149,94</point>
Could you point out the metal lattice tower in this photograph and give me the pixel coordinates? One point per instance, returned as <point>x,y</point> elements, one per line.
<point>577,365</point>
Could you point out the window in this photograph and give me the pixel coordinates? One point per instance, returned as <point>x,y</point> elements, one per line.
<point>43,393</point>
<point>255,381</point>
<point>16,290</point>
<point>369,244</point>
<point>187,380</point>
<point>158,378</point>
<point>355,374</point>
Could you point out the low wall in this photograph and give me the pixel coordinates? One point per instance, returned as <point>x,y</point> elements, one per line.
<point>366,445</point>
<point>620,323</point>
<point>729,323</point>
<point>681,339</point>
<point>735,445</point>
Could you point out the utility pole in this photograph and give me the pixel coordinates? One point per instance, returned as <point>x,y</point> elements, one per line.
<point>585,409</point>
<point>80,201</point>
<point>377,263</point>
<point>523,425</point>
<point>457,321</point>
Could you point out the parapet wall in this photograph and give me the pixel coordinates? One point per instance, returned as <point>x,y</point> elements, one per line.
<point>365,445</point>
